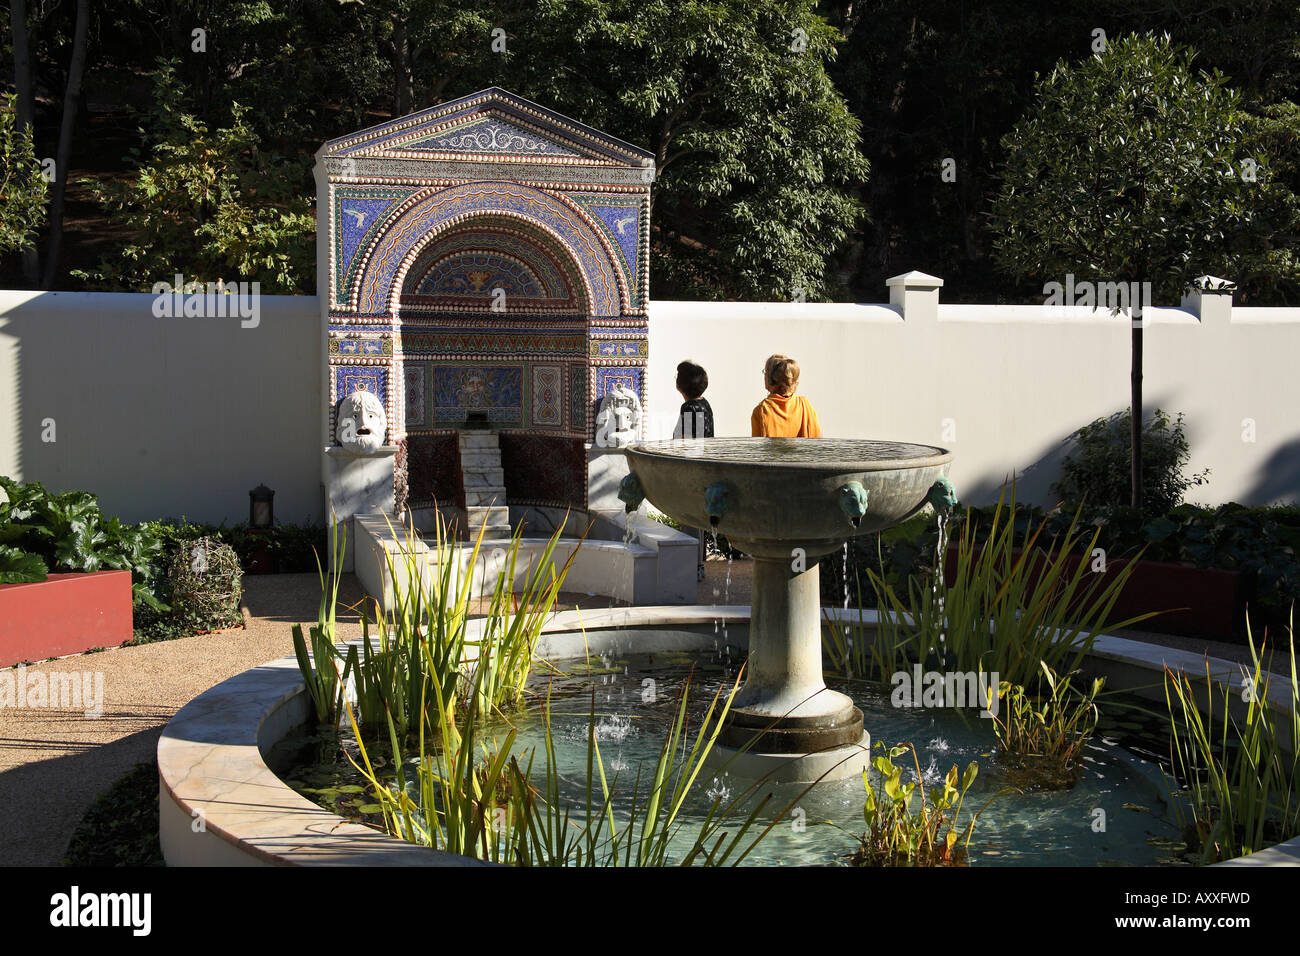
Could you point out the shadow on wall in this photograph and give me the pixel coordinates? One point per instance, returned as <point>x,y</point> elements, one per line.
<point>1034,482</point>
<point>1278,479</point>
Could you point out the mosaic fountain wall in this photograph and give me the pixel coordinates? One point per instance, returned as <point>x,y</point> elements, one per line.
<point>487,257</point>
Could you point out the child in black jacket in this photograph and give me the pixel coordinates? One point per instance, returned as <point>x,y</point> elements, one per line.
<point>694,421</point>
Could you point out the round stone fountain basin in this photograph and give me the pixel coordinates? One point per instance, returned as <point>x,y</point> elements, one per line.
<point>783,493</point>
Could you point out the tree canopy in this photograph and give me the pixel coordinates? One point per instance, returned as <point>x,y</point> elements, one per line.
<point>806,148</point>
<point>1132,166</point>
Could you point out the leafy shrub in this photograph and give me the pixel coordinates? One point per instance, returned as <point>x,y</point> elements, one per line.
<point>293,548</point>
<point>204,585</point>
<point>1261,543</point>
<point>205,203</point>
<point>68,532</point>
<point>1100,468</point>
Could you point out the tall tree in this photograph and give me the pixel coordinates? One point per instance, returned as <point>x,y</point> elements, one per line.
<point>757,155</point>
<point>63,157</point>
<point>1131,167</point>
<point>937,84</point>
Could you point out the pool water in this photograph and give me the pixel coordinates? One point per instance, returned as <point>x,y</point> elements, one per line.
<point>1117,813</point>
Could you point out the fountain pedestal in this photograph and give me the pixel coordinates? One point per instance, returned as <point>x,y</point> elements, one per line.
<point>785,722</point>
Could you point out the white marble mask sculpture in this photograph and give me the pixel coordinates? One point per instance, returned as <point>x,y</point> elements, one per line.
<point>619,418</point>
<point>361,423</point>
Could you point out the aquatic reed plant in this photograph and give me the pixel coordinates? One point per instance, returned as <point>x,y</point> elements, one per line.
<point>324,685</point>
<point>1237,763</point>
<point>424,635</point>
<point>461,802</point>
<point>475,795</point>
<point>421,677</point>
<point>1013,601</point>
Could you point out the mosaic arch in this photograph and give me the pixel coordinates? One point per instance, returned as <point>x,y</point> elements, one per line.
<point>485,257</point>
<point>462,268</point>
<point>381,273</point>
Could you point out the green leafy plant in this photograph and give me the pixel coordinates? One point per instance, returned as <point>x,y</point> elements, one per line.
<point>904,828</point>
<point>1098,469</point>
<point>19,567</point>
<point>69,532</point>
<point>22,187</point>
<point>1239,762</point>
<point>1041,738</point>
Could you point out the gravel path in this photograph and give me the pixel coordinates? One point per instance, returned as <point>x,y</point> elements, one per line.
<point>54,762</point>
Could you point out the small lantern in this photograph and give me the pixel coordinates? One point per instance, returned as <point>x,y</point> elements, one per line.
<point>261,508</point>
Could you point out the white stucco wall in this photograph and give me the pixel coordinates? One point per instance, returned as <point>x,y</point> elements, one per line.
<point>162,416</point>
<point>171,416</point>
<point>1013,381</point>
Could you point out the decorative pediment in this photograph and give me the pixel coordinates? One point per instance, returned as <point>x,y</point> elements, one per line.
<point>493,125</point>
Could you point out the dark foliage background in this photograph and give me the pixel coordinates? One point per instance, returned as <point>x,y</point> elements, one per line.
<point>800,143</point>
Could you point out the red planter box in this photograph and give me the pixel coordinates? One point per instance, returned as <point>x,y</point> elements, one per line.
<point>1214,601</point>
<point>64,614</point>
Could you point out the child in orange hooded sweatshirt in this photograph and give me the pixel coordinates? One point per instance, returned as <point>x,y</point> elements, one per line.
<point>783,414</point>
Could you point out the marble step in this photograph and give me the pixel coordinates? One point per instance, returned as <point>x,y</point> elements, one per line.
<point>484,497</point>
<point>478,440</point>
<point>471,460</point>
<point>497,516</point>
<point>477,478</point>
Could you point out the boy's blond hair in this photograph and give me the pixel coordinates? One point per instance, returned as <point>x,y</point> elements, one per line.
<point>781,373</point>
